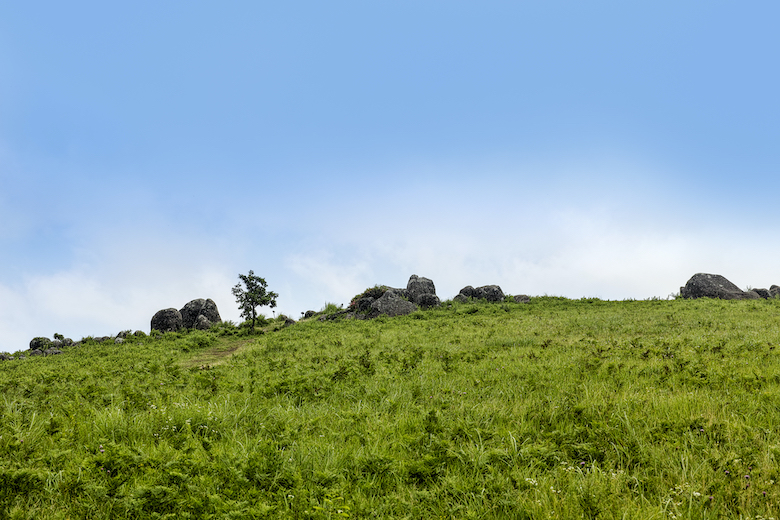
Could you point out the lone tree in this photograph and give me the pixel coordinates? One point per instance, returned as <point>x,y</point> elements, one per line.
<point>253,295</point>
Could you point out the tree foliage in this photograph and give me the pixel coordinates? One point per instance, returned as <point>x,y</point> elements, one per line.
<point>253,294</point>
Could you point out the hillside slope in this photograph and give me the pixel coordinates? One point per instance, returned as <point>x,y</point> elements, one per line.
<point>557,408</point>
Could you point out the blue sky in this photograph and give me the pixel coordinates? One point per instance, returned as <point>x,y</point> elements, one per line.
<point>151,151</point>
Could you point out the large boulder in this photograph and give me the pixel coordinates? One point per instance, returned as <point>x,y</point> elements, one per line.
<point>419,287</point>
<point>703,285</point>
<point>392,304</point>
<point>774,291</point>
<point>191,312</point>
<point>40,343</point>
<point>764,293</point>
<point>491,293</point>
<point>167,320</point>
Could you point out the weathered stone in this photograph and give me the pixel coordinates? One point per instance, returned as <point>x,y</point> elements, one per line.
<point>35,352</point>
<point>119,341</point>
<point>427,301</point>
<point>203,323</point>
<point>391,304</point>
<point>6,357</point>
<point>52,352</point>
<point>763,293</point>
<point>774,291</point>
<point>460,297</point>
<point>191,311</point>
<point>491,293</point>
<point>469,292</point>
<point>522,298</point>
<point>364,304</point>
<point>309,314</point>
<point>703,285</point>
<point>167,320</point>
<point>419,286</point>
<point>39,343</point>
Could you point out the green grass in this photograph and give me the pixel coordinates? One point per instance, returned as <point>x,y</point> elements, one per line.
<point>553,409</point>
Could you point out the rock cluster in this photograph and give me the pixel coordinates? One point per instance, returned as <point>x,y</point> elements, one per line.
<point>420,293</point>
<point>491,293</point>
<point>704,285</point>
<point>198,314</point>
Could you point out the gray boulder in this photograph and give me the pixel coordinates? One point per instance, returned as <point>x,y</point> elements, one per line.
<point>398,292</point>
<point>427,301</point>
<point>763,293</point>
<point>200,307</point>
<point>167,320</point>
<point>52,352</point>
<point>40,343</point>
<point>703,285</point>
<point>419,287</point>
<point>36,352</point>
<point>392,304</point>
<point>522,298</point>
<point>203,323</point>
<point>491,293</point>
<point>774,291</point>
<point>468,292</point>
<point>460,297</point>
<point>6,357</point>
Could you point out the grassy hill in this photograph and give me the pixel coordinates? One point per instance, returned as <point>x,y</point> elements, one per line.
<point>553,409</point>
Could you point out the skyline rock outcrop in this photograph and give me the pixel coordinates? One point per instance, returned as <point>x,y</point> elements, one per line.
<point>167,320</point>
<point>705,285</point>
<point>200,314</point>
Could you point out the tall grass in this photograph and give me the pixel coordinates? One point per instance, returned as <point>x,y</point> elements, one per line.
<point>553,409</point>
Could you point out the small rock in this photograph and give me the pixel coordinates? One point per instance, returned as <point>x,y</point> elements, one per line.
<point>203,323</point>
<point>522,298</point>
